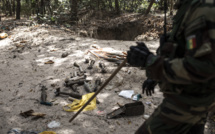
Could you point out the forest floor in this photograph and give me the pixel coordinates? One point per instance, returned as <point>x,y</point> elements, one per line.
<point>23,70</point>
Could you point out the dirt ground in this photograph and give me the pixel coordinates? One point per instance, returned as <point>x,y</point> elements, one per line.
<point>23,70</point>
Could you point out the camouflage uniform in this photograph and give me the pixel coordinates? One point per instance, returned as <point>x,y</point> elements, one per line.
<point>185,72</point>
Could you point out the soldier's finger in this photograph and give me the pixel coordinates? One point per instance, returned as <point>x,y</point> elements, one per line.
<point>148,92</point>
<point>153,91</point>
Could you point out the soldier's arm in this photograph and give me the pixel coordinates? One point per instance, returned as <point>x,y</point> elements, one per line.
<point>198,64</point>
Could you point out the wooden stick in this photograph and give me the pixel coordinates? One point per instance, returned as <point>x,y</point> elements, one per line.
<point>100,89</point>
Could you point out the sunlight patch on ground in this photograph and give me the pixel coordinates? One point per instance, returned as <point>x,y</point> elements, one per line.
<point>62,102</point>
<point>65,131</point>
<point>87,124</point>
<point>6,109</point>
<point>54,80</point>
<point>5,43</point>
<point>59,62</point>
<point>103,96</point>
<point>78,53</point>
<point>51,48</point>
<point>85,44</point>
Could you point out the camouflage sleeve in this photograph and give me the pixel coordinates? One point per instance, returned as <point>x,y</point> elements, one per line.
<point>198,63</point>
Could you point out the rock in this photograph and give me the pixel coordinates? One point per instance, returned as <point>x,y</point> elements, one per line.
<point>140,38</point>
<point>149,38</point>
<point>64,55</point>
<point>83,33</point>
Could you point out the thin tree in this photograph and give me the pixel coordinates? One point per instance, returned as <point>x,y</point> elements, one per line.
<point>18,9</point>
<point>74,10</point>
<point>171,7</point>
<point>117,7</point>
<point>14,6</point>
<point>149,7</point>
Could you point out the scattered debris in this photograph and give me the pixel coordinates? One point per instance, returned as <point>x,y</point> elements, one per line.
<point>126,93</point>
<point>108,54</point>
<point>148,103</point>
<point>23,41</point>
<point>87,87</point>
<point>87,60</point>
<point>78,66</point>
<point>98,82</point>
<point>32,113</point>
<point>48,132</point>
<point>137,97</point>
<point>102,66</point>
<point>49,62</point>
<point>74,95</point>
<point>130,109</point>
<point>44,97</point>
<point>101,113</point>
<point>54,124</point>
<point>92,62</point>
<point>20,131</point>
<point>77,104</point>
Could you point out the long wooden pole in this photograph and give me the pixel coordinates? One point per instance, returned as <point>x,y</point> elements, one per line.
<point>100,89</point>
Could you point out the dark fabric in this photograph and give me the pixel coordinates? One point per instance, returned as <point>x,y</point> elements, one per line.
<point>197,129</point>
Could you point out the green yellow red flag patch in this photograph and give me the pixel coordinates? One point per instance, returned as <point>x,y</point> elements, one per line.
<point>191,42</point>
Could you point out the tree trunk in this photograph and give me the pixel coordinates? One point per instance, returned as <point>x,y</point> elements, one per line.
<point>42,7</point>
<point>48,6</point>
<point>110,4</point>
<point>117,7</point>
<point>74,10</point>
<point>124,5</point>
<point>9,5</point>
<point>98,5</point>
<point>171,7</point>
<point>14,7</point>
<point>18,9</point>
<point>37,7</point>
<point>149,7</point>
<point>4,6</point>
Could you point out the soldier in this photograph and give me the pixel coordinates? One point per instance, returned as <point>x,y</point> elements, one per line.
<point>184,70</point>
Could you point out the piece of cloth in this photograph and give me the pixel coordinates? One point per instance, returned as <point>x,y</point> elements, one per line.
<point>77,104</point>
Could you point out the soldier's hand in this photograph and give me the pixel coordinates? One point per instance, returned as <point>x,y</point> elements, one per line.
<point>148,87</point>
<point>137,55</point>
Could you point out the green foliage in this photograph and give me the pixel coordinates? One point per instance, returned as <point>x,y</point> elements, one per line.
<point>53,18</point>
<point>55,8</point>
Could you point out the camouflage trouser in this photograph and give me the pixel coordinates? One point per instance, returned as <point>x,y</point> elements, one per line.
<point>171,119</point>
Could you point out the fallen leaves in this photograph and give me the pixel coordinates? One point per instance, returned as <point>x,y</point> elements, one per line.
<point>3,35</point>
<point>49,62</point>
<point>23,41</point>
<point>32,113</point>
<point>19,45</point>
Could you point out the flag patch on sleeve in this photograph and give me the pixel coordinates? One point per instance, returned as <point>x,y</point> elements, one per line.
<point>191,42</point>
